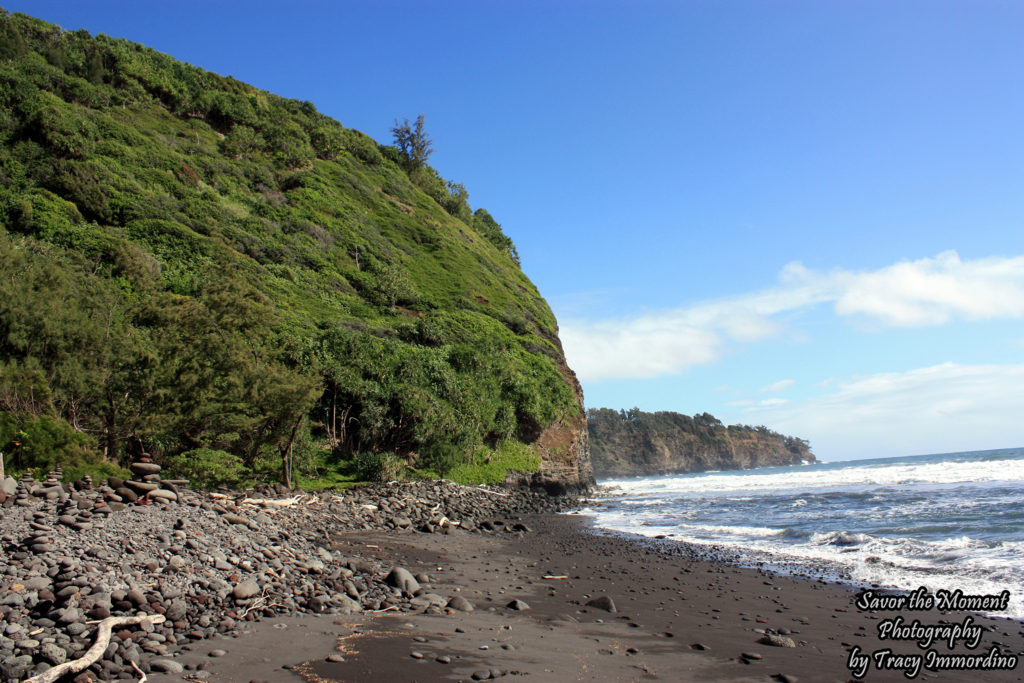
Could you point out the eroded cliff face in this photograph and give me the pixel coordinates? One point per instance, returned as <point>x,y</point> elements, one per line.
<point>564,447</point>
<point>637,443</point>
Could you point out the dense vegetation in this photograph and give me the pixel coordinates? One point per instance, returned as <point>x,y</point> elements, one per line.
<point>625,442</point>
<point>195,268</point>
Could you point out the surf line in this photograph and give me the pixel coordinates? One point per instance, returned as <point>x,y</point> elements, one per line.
<point>926,634</point>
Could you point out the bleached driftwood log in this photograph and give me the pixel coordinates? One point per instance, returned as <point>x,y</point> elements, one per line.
<point>103,633</point>
<point>271,502</point>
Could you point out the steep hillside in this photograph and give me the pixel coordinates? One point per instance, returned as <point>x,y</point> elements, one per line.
<point>190,265</point>
<point>625,443</point>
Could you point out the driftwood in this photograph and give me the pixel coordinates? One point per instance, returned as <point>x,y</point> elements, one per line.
<point>483,490</point>
<point>269,502</point>
<point>140,672</point>
<point>103,633</point>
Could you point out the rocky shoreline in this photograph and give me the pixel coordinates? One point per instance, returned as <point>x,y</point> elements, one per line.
<point>209,562</point>
<point>425,581</point>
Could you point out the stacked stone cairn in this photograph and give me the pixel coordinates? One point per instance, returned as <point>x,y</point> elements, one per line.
<point>23,496</point>
<point>145,485</point>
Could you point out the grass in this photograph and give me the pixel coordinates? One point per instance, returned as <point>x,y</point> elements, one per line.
<point>490,466</point>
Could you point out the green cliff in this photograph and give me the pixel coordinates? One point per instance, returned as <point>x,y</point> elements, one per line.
<point>195,268</point>
<point>627,443</point>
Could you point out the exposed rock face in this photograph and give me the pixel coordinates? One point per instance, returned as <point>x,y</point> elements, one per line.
<point>637,443</point>
<point>564,445</point>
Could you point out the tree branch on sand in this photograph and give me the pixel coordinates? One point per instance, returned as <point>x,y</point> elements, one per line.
<point>93,654</point>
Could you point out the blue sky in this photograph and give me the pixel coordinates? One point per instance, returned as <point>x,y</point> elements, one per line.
<point>808,215</point>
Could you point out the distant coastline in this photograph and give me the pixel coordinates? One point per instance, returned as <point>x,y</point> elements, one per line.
<point>635,443</point>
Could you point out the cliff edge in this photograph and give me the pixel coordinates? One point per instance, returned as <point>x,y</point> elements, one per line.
<point>629,443</point>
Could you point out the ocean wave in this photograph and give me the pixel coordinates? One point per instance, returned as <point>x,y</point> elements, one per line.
<point>861,480</point>
<point>840,538</point>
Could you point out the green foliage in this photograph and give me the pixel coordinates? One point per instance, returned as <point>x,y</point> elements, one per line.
<point>208,469</point>
<point>41,442</point>
<point>247,275</point>
<point>637,437</point>
<point>413,142</point>
<point>491,466</point>
<point>379,467</point>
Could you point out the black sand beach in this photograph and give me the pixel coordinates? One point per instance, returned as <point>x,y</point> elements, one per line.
<point>678,617</point>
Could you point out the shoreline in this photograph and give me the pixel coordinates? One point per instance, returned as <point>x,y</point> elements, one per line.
<point>684,615</point>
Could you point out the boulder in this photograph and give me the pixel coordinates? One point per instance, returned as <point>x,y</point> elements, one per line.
<point>603,602</point>
<point>403,579</point>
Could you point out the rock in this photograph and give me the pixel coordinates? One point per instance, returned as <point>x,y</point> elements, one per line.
<point>141,487</point>
<point>603,602</point>
<point>776,640</point>
<point>235,519</point>
<point>72,615</point>
<point>167,666</point>
<point>9,486</point>
<point>518,605</point>
<point>51,653</point>
<point>402,579</point>
<point>461,604</point>
<point>37,583</point>
<point>347,605</point>
<point>218,653</point>
<point>176,610</point>
<point>246,589</point>
<point>144,468</point>
<point>163,494</point>
<point>126,494</point>
<point>16,668</point>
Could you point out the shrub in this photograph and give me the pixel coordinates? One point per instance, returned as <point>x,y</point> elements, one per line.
<point>207,468</point>
<point>379,467</point>
<point>41,443</point>
<point>492,466</point>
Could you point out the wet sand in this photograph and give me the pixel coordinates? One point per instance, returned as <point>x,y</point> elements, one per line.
<point>679,617</point>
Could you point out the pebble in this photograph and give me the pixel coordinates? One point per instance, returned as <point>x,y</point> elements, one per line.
<point>209,565</point>
<point>776,640</point>
<point>461,604</point>
<point>167,666</point>
<point>246,589</point>
<point>603,602</point>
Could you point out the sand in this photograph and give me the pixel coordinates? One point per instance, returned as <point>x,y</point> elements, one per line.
<point>679,617</point>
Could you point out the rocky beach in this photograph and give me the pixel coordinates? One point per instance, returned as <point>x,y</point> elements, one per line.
<point>404,581</point>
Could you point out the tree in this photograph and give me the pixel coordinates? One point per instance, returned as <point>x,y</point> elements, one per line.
<point>413,143</point>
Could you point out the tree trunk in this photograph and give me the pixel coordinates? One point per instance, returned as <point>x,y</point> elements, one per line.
<point>286,453</point>
<point>110,429</point>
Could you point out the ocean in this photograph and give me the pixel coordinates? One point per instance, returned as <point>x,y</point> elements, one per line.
<point>949,521</point>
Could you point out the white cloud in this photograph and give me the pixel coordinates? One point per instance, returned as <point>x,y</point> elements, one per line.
<point>934,291</point>
<point>929,291</point>
<point>778,386</point>
<point>942,408</point>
